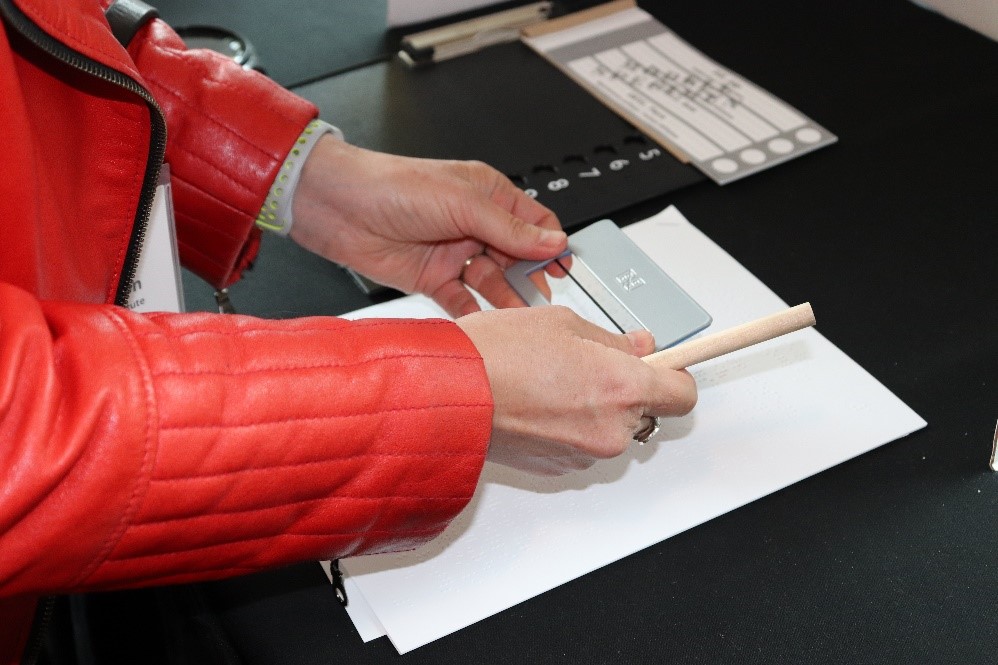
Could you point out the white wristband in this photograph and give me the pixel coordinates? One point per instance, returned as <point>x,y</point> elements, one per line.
<point>276,212</point>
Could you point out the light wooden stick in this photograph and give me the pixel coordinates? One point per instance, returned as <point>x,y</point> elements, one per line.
<point>698,350</point>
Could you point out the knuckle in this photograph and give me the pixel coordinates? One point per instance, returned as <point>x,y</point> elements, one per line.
<point>480,172</point>
<point>517,225</point>
<point>559,313</point>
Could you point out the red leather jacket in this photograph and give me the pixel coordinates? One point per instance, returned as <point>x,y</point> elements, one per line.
<point>146,449</point>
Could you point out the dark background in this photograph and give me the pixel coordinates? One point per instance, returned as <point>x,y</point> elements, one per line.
<point>891,234</point>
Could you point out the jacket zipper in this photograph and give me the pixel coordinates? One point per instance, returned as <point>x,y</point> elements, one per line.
<point>43,616</point>
<point>157,144</point>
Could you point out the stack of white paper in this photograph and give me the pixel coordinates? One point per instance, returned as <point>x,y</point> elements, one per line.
<point>768,416</point>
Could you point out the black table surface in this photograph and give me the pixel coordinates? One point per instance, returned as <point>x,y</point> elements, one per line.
<point>891,233</point>
<point>294,41</point>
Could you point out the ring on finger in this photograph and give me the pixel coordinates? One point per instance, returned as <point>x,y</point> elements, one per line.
<point>650,425</point>
<point>467,263</point>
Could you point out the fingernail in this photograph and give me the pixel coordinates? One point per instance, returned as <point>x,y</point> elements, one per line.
<point>642,341</point>
<point>552,238</point>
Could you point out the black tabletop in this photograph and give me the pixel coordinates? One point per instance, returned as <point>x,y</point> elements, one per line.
<point>891,233</point>
<point>294,41</point>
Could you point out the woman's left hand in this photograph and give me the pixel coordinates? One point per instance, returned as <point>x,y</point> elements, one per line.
<point>420,225</point>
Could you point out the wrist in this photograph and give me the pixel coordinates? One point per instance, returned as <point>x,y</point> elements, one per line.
<point>319,206</point>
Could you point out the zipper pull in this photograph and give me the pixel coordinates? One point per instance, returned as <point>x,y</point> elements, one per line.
<point>224,304</point>
<point>337,575</point>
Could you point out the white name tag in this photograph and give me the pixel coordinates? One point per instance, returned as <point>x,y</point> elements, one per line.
<point>157,285</point>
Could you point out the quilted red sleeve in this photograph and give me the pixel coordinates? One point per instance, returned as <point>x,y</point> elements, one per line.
<point>229,132</point>
<point>168,448</point>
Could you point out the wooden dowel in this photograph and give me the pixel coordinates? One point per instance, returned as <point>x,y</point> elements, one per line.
<point>711,346</point>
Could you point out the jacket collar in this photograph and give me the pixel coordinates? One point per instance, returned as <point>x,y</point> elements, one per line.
<point>81,26</point>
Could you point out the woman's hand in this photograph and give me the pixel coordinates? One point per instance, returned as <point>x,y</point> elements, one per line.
<point>566,391</point>
<point>421,225</point>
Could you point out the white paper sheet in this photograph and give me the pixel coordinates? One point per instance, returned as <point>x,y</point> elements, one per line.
<point>768,416</point>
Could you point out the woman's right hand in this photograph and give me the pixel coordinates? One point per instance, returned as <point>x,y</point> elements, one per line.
<point>566,391</point>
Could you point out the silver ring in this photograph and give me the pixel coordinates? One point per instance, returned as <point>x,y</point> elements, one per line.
<point>649,428</point>
<point>467,262</point>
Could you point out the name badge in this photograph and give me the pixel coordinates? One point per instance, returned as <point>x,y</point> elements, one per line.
<point>157,286</point>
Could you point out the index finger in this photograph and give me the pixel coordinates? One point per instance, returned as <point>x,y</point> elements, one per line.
<point>661,392</point>
<point>672,393</point>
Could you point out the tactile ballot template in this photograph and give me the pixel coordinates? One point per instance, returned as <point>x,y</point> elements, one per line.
<point>700,111</point>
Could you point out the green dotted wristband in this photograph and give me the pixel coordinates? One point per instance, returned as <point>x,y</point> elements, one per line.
<point>276,212</point>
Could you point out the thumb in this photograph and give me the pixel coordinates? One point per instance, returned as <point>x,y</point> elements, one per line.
<point>642,342</point>
<point>636,343</point>
<point>514,237</point>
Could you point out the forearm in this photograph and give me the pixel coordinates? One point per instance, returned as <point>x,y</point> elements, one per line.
<point>229,132</point>
<point>142,450</point>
